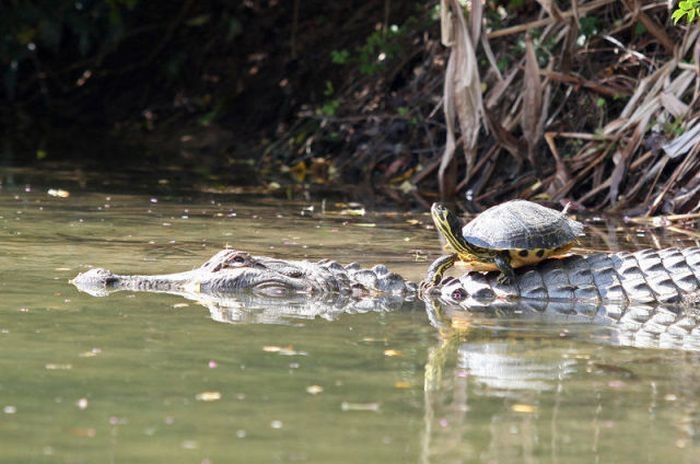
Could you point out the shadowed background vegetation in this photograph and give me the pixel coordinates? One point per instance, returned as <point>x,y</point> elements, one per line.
<point>594,102</point>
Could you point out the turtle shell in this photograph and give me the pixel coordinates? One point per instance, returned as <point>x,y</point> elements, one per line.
<point>521,224</point>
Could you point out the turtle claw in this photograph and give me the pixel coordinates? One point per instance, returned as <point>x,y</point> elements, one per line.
<point>507,275</point>
<point>426,287</point>
<point>504,279</point>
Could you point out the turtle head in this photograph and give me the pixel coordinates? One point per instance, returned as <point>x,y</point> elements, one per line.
<point>447,223</point>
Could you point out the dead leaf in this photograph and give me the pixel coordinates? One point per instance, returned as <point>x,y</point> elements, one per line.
<point>532,100</point>
<point>461,94</point>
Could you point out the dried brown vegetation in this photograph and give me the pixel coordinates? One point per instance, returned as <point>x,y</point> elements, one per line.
<point>594,102</point>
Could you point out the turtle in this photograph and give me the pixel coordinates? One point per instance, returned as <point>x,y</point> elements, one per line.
<point>506,236</point>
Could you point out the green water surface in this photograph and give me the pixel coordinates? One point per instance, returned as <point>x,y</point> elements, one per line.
<point>148,378</point>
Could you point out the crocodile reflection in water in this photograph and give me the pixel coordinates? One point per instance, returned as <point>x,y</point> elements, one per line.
<point>530,383</point>
<point>525,397</point>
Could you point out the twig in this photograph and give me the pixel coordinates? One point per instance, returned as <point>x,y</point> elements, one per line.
<point>594,86</point>
<point>544,22</point>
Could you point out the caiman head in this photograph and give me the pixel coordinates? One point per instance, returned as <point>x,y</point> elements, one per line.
<point>229,271</point>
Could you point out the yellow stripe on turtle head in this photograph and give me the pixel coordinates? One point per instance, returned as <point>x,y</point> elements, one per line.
<point>448,225</point>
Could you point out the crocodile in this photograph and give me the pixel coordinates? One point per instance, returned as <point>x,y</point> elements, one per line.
<point>649,298</point>
<point>233,271</point>
<point>671,275</point>
<point>648,276</point>
<point>642,294</point>
<point>238,287</point>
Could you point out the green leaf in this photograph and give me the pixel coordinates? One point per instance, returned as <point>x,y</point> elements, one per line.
<point>340,56</point>
<point>330,108</point>
<point>677,16</point>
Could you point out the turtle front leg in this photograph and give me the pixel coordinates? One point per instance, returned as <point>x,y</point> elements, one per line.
<point>435,272</point>
<point>502,261</point>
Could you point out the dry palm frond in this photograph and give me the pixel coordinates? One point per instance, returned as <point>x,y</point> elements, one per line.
<point>532,101</point>
<point>462,92</point>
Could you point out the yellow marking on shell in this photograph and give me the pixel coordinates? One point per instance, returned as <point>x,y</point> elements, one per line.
<point>474,263</point>
<point>533,257</point>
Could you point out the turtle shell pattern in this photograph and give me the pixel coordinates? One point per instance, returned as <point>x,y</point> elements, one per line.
<point>521,224</point>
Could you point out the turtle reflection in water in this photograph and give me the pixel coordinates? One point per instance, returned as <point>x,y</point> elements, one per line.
<point>507,236</point>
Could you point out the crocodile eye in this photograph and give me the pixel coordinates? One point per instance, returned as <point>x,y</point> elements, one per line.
<point>238,259</point>
<point>459,294</point>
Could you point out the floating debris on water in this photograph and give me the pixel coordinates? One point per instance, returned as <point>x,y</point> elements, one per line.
<point>208,396</point>
<point>58,193</point>
<point>284,350</point>
<point>58,367</point>
<point>353,212</point>
<point>90,354</point>
<point>371,407</point>
<point>524,408</point>
<point>314,389</point>
<point>276,424</point>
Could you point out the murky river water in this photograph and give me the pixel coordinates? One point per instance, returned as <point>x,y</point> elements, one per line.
<point>135,378</point>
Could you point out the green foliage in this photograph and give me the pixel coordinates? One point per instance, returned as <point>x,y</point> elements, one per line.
<point>378,48</point>
<point>330,108</point>
<point>340,56</point>
<point>640,29</point>
<point>590,26</point>
<point>674,128</point>
<point>690,9</point>
<point>371,58</point>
